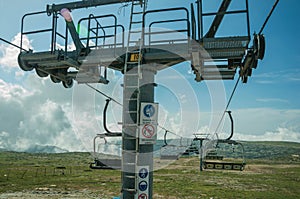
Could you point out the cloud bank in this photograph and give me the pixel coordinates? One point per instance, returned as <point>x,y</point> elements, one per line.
<point>37,112</point>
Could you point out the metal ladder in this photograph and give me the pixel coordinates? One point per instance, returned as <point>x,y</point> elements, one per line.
<point>131,101</point>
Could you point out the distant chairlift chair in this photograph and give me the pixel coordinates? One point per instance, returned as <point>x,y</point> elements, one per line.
<point>172,151</point>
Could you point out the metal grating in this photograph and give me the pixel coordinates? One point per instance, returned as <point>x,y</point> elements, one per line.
<point>226,42</point>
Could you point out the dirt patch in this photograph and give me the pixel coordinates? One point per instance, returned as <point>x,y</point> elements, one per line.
<point>267,169</point>
<point>49,193</point>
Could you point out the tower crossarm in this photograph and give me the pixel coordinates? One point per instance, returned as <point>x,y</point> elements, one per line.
<point>82,4</point>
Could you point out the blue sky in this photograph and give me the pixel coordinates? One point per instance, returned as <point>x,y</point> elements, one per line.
<point>266,108</point>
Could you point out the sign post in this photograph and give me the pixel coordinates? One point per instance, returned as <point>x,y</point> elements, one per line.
<point>143,182</point>
<point>148,123</point>
<point>139,135</point>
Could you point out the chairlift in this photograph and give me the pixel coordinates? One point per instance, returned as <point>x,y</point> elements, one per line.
<point>111,161</point>
<point>173,151</point>
<point>192,149</point>
<point>102,161</point>
<point>227,154</point>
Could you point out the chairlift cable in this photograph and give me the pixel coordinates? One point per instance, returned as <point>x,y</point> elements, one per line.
<point>13,44</point>
<point>235,87</point>
<point>163,128</point>
<point>268,17</point>
<point>110,98</point>
<point>97,90</point>
<point>228,103</point>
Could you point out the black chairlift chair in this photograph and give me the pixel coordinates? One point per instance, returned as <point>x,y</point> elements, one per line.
<point>101,161</point>
<point>172,151</point>
<point>228,154</point>
<point>215,159</point>
<point>112,162</point>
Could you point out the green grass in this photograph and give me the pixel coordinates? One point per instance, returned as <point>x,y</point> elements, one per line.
<point>262,178</point>
<point>257,181</point>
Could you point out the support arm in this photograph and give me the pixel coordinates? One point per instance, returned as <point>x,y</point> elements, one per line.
<point>82,4</point>
<point>66,13</point>
<point>109,133</point>
<point>218,19</point>
<point>232,127</point>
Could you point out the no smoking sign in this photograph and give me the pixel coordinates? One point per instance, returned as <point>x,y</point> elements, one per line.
<point>148,134</point>
<point>148,131</point>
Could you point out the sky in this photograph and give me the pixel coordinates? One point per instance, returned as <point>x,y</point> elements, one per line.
<point>34,111</point>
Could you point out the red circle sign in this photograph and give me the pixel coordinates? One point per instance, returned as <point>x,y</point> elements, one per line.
<point>148,131</point>
<point>143,196</point>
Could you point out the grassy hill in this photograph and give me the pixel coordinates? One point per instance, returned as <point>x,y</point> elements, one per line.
<point>271,172</point>
<point>279,151</point>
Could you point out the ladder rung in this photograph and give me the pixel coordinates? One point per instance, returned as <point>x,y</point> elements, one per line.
<point>130,163</point>
<point>131,99</point>
<point>131,111</point>
<point>129,176</point>
<point>130,151</point>
<point>131,87</point>
<point>141,2</point>
<point>132,74</point>
<point>136,22</point>
<point>134,41</point>
<point>135,31</point>
<point>129,190</point>
<point>130,138</point>
<point>134,51</point>
<point>130,125</point>
<point>132,62</point>
<point>137,13</point>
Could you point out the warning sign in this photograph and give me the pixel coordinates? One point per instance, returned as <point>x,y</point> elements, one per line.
<point>142,182</point>
<point>149,113</point>
<point>143,185</point>
<point>143,173</point>
<point>148,134</point>
<point>148,123</point>
<point>148,131</point>
<point>143,196</point>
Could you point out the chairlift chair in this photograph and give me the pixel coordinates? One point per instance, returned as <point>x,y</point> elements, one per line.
<point>102,161</point>
<point>172,151</point>
<point>106,163</point>
<point>228,154</point>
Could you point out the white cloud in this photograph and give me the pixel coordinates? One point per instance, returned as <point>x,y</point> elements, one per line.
<point>11,91</point>
<point>70,47</point>
<point>40,112</point>
<point>10,53</point>
<point>288,75</point>
<point>279,134</point>
<point>267,124</point>
<point>266,100</point>
<point>249,124</point>
<point>35,114</point>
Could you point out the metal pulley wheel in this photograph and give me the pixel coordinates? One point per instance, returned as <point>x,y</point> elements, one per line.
<point>244,76</point>
<point>68,83</point>
<point>54,79</point>
<point>23,64</point>
<point>259,45</point>
<point>41,73</point>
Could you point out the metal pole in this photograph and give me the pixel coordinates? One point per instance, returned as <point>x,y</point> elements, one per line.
<point>130,139</point>
<point>201,155</point>
<point>198,19</point>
